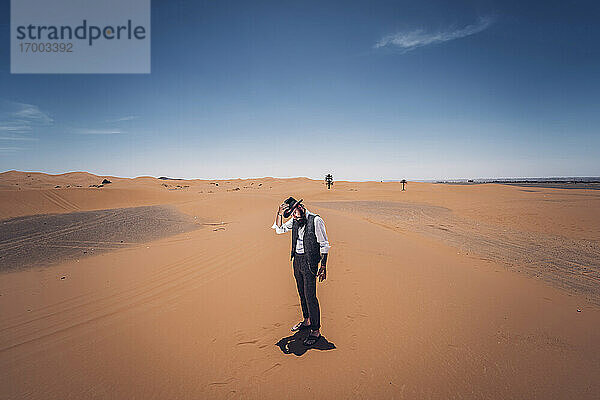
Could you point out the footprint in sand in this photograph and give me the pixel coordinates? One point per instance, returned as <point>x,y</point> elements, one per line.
<point>271,369</point>
<point>248,342</point>
<point>223,383</point>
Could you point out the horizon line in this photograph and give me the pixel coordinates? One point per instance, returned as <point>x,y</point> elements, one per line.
<point>424,180</point>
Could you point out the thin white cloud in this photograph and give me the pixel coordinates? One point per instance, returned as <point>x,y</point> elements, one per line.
<point>30,113</point>
<point>18,138</point>
<point>14,128</point>
<point>106,127</point>
<point>98,132</point>
<point>10,149</point>
<point>17,119</point>
<point>127,118</point>
<point>410,40</point>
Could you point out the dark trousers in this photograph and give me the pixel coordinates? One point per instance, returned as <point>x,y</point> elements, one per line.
<point>306,281</point>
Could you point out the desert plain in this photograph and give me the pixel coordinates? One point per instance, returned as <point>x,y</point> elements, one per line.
<point>150,288</point>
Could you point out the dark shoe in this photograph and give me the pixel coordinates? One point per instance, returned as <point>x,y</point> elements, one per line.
<point>310,340</point>
<point>299,326</point>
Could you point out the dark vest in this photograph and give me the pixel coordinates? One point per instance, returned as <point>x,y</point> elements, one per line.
<point>312,249</point>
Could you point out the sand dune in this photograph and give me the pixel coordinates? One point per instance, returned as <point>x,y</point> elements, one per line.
<point>424,298</point>
<point>573,264</point>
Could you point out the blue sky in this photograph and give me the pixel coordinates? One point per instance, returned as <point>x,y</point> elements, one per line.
<point>362,89</point>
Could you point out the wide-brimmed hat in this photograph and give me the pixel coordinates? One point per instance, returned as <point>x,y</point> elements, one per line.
<point>292,204</point>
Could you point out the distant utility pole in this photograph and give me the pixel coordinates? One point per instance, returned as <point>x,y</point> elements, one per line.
<point>403,182</point>
<point>329,180</point>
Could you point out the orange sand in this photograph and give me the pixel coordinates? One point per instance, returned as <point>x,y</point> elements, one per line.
<point>198,315</point>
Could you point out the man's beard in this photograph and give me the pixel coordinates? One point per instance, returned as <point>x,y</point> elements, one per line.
<point>302,220</point>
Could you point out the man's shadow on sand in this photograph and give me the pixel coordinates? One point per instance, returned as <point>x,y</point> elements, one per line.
<point>293,344</point>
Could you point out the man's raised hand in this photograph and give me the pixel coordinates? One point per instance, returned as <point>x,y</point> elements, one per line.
<point>283,207</point>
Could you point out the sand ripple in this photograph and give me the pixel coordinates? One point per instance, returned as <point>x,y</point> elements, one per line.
<point>41,240</point>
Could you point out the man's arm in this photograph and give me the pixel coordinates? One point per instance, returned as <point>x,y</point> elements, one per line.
<point>321,234</point>
<point>279,225</point>
<point>279,217</point>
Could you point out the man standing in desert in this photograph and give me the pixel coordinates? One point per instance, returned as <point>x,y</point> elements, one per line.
<point>309,247</point>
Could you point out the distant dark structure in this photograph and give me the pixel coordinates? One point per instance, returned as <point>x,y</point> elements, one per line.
<point>403,182</point>
<point>329,180</point>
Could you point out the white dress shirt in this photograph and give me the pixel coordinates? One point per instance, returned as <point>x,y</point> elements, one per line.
<point>319,232</point>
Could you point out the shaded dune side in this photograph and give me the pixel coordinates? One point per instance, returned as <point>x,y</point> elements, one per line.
<point>567,263</point>
<point>42,240</point>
